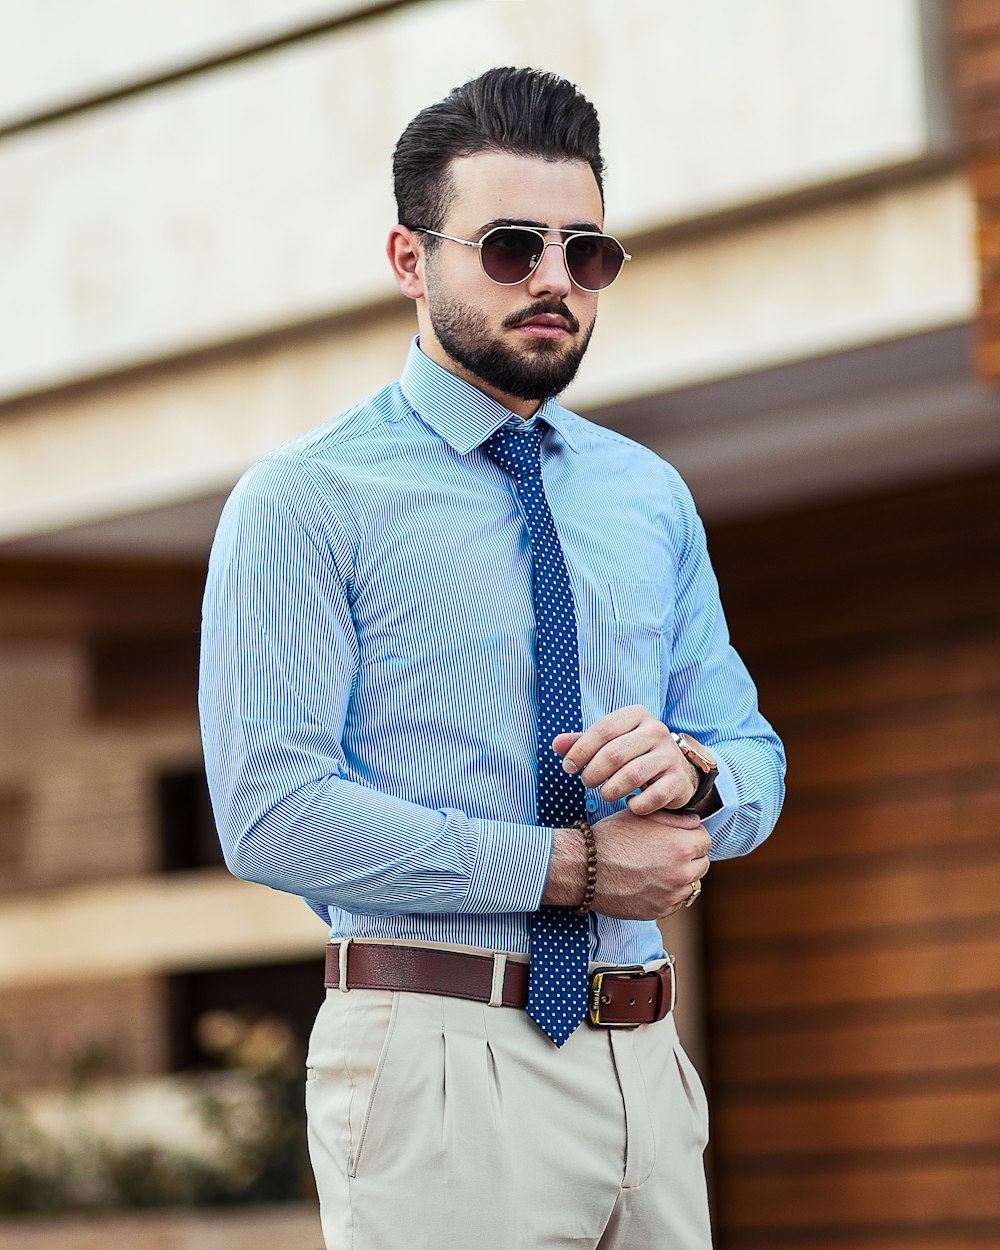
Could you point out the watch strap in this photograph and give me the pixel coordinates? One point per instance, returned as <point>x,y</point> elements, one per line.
<point>706,786</point>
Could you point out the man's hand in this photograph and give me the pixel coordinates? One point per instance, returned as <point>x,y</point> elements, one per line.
<point>630,750</point>
<point>646,864</point>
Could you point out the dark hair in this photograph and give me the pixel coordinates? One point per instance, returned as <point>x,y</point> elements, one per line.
<point>528,112</point>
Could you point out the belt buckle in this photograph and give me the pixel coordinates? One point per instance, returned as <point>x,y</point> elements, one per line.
<point>629,973</point>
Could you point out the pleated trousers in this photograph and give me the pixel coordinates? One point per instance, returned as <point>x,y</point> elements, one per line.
<point>442,1123</point>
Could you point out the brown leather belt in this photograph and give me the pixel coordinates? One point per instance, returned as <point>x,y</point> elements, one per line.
<point>618,997</point>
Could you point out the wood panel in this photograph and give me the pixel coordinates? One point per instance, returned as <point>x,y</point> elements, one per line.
<point>913,819</point>
<point>913,1195</point>
<point>894,1121</point>
<point>793,978</point>
<point>873,747</point>
<point>842,1051</point>
<point>973,17</point>
<point>886,1235</point>
<point>859,899</point>
<point>869,577</point>
<point>907,674</point>
<point>854,961</point>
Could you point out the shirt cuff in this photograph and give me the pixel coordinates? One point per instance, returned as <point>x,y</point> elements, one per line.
<point>725,784</point>
<point>511,867</point>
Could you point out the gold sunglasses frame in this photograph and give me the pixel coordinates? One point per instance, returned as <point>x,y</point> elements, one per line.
<point>563,243</point>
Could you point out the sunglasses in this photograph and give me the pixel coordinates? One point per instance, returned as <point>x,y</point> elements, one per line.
<point>509,254</point>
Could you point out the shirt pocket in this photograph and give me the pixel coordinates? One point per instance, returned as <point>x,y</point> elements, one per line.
<point>634,607</point>
<point>625,643</point>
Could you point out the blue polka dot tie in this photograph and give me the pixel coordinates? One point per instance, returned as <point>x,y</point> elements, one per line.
<point>560,940</point>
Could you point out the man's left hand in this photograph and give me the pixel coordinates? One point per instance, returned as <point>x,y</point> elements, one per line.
<point>630,750</point>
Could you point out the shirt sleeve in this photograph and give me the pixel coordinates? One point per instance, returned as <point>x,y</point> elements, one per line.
<point>278,664</point>
<point>711,696</point>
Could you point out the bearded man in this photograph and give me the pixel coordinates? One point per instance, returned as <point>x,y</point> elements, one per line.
<point>467,689</point>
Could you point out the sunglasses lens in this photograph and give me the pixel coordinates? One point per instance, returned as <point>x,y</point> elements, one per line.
<point>594,261</point>
<point>510,255</point>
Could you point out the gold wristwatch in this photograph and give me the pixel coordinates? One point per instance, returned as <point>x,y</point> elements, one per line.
<point>705,762</point>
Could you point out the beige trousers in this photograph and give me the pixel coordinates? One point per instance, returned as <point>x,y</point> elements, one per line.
<point>446,1124</point>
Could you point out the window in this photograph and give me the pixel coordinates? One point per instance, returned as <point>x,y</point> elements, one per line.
<point>13,837</point>
<point>186,825</point>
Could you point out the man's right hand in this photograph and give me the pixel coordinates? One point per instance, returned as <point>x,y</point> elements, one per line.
<point>645,864</point>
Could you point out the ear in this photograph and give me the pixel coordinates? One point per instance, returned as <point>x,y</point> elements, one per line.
<point>406,256</point>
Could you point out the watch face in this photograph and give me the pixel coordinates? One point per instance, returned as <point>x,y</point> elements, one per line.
<point>701,757</point>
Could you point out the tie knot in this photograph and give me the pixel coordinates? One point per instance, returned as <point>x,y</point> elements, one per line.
<point>518,452</point>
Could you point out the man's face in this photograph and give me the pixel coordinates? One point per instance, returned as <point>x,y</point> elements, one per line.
<point>522,343</point>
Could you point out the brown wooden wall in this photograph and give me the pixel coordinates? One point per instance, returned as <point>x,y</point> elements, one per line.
<point>854,960</point>
<point>976,27</point>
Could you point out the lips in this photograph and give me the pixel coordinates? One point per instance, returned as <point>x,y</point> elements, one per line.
<point>549,320</point>
<point>543,319</point>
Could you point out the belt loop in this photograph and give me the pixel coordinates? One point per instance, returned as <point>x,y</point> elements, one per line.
<point>342,952</point>
<point>499,971</point>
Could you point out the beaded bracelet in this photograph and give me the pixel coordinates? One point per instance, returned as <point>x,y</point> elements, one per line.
<point>591,845</point>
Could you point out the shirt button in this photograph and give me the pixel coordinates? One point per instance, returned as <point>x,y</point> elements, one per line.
<point>591,803</point>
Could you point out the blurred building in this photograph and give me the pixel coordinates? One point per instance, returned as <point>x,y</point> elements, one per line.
<point>193,205</point>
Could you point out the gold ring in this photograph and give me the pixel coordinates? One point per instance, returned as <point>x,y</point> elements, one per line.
<point>695,891</point>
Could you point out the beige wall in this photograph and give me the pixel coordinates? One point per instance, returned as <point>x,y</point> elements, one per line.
<point>216,206</point>
<point>225,922</point>
<point>882,265</point>
<point>58,53</point>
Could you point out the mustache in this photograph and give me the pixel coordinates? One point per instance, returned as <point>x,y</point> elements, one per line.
<point>555,307</point>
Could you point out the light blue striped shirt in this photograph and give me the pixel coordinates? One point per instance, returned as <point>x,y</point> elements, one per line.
<point>367,679</point>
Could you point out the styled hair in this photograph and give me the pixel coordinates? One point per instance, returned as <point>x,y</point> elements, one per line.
<point>527,112</point>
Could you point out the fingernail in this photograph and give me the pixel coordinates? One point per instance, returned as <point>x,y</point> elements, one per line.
<point>570,767</point>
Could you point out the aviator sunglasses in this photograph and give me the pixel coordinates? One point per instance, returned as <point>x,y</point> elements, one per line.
<point>509,254</point>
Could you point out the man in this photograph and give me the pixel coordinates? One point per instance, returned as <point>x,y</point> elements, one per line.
<point>443,632</point>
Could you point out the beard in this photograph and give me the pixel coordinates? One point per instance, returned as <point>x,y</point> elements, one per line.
<point>542,367</point>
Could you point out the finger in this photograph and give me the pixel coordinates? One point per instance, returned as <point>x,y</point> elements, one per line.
<point>623,751</point>
<point>695,873</point>
<point>615,781</point>
<point>683,894</point>
<point>690,875</point>
<point>616,723</point>
<point>668,789</point>
<point>561,743</point>
<point>639,772</point>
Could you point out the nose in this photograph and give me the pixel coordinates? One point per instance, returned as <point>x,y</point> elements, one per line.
<point>550,276</point>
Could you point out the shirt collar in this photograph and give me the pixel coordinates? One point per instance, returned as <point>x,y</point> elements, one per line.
<point>458,411</point>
